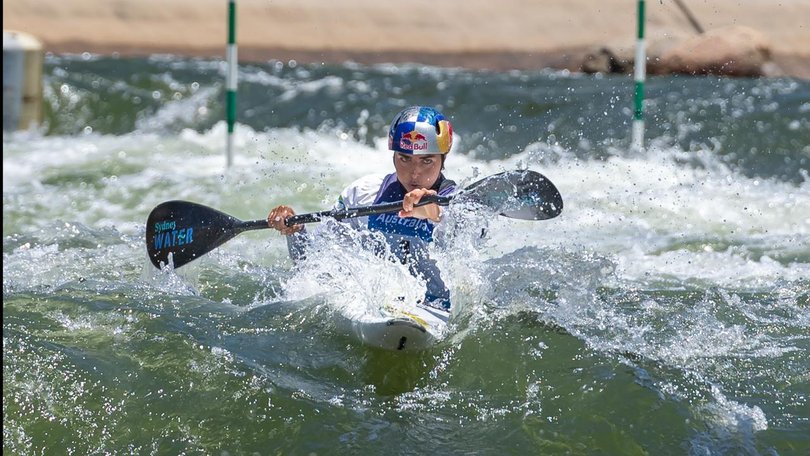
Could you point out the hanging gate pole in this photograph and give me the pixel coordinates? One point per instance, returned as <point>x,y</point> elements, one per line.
<point>640,65</point>
<point>230,80</point>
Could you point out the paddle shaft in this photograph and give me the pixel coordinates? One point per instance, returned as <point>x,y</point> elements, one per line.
<point>340,214</point>
<point>352,212</point>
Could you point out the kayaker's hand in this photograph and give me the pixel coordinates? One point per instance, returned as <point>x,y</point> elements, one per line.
<point>276,218</point>
<point>428,211</point>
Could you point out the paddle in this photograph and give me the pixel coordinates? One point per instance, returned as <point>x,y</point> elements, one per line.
<point>181,231</point>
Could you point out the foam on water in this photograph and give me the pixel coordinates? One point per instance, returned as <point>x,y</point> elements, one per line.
<point>352,279</point>
<point>654,213</point>
<point>658,218</point>
<point>657,214</point>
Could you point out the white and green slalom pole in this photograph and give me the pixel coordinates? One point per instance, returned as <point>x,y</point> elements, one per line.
<point>640,73</point>
<point>230,79</point>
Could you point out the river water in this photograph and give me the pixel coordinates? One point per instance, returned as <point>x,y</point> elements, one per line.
<point>666,311</point>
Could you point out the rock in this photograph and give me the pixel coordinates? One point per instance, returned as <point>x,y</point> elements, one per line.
<point>605,60</point>
<point>727,51</point>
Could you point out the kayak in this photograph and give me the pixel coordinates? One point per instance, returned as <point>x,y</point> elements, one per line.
<point>399,327</point>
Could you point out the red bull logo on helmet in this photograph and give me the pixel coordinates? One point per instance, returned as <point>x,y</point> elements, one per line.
<point>413,141</point>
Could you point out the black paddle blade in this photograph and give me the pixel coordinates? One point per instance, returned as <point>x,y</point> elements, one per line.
<point>184,231</point>
<point>525,195</point>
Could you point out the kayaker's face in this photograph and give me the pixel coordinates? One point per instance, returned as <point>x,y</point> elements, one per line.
<point>417,171</point>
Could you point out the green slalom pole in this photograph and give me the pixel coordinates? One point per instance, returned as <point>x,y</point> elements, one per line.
<point>230,80</point>
<point>640,74</point>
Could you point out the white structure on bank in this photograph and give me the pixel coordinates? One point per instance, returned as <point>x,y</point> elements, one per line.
<point>22,81</point>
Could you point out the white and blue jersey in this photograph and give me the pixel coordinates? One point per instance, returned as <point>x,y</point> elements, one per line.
<point>407,238</point>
